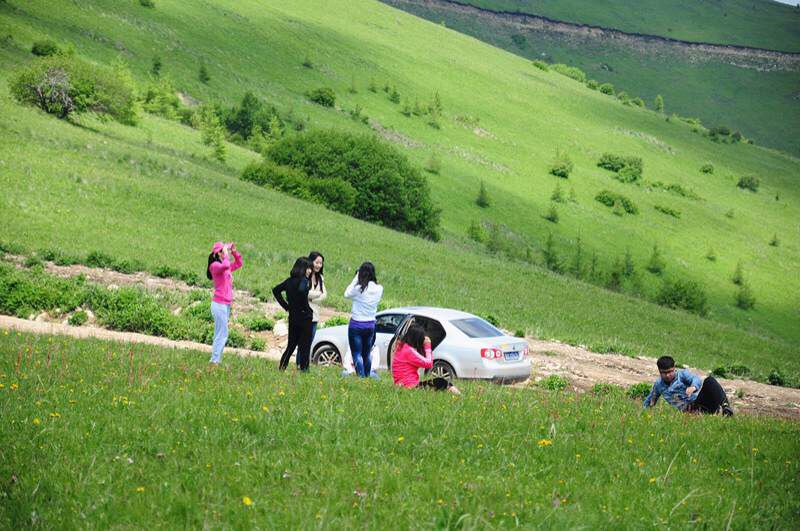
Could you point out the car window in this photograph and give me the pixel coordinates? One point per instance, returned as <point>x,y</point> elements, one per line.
<point>388,323</point>
<point>433,329</point>
<point>476,327</point>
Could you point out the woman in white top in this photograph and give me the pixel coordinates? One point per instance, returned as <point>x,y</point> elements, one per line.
<point>365,293</point>
<point>317,291</point>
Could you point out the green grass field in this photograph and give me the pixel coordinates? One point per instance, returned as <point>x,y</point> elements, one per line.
<point>754,23</point>
<point>751,96</point>
<point>105,435</point>
<point>153,193</point>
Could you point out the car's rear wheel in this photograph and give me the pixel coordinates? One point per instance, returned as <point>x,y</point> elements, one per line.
<point>326,355</point>
<point>442,369</point>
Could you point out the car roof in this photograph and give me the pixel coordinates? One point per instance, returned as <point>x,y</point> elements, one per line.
<point>432,312</point>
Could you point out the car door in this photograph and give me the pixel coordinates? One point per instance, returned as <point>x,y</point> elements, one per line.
<point>433,329</point>
<point>385,327</point>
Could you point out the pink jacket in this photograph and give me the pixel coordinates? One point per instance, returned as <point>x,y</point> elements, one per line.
<point>223,280</point>
<point>407,361</point>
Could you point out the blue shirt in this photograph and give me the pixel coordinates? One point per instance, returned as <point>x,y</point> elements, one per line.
<point>675,393</point>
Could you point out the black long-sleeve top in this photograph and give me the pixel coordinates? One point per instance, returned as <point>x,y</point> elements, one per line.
<point>296,290</point>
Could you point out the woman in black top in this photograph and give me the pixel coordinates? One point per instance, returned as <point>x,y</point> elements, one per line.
<point>296,288</point>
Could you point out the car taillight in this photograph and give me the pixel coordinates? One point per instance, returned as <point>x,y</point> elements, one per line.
<point>525,351</point>
<point>491,353</point>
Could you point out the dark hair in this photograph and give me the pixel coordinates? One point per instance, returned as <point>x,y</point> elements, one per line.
<point>415,337</point>
<point>316,279</point>
<point>366,273</point>
<point>665,362</point>
<point>299,268</point>
<point>213,257</point>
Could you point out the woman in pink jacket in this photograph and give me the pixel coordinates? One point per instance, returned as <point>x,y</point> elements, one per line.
<point>407,361</point>
<point>219,270</point>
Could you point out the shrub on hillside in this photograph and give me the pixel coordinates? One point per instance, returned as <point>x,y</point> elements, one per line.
<point>64,86</point>
<point>552,214</point>
<point>250,115</point>
<point>541,65</point>
<point>78,318</point>
<point>99,259</point>
<point>707,168</point>
<point>258,343</point>
<point>623,97</point>
<point>147,3</point>
<point>161,98</point>
<point>749,182</point>
<point>607,88</point>
<point>639,102</point>
<point>738,275</point>
<point>612,199</point>
<point>629,169</point>
<point>656,264</point>
<point>389,190</point>
<point>570,71</point>
<point>483,197</point>
<point>45,48</point>
<point>324,96</point>
<point>593,84</point>
<point>434,164</point>
<point>25,292</point>
<point>668,211</point>
<point>561,165</point>
<point>683,294</point>
<point>744,298</point>
<point>333,192</point>
<point>776,378</point>
<point>477,232</point>
<point>675,189</point>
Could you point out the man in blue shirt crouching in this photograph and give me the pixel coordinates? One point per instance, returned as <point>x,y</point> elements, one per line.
<point>685,391</point>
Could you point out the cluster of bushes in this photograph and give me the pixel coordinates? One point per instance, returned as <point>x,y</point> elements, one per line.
<point>749,182</point>
<point>562,165</point>
<point>627,169</point>
<point>724,135</point>
<point>432,110</point>
<point>102,260</point>
<point>618,202</point>
<point>324,96</point>
<point>570,71</point>
<point>355,174</point>
<point>675,189</point>
<point>683,294</point>
<point>65,85</point>
<point>668,211</point>
<point>334,192</point>
<point>127,309</point>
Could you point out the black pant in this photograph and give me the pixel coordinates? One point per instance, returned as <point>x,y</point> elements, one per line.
<point>437,384</point>
<point>710,398</point>
<point>300,338</point>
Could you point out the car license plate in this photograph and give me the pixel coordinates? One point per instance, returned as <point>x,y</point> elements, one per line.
<point>511,356</point>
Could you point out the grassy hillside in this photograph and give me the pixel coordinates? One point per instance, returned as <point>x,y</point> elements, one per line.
<point>758,97</point>
<point>152,193</point>
<point>755,23</point>
<point>106,435</point>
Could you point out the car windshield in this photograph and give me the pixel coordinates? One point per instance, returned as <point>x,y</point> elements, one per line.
<point>476,327</point>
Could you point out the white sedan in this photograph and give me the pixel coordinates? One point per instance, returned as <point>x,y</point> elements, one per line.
<point>464,345</point>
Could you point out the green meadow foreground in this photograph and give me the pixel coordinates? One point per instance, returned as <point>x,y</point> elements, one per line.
<point>102,434</point>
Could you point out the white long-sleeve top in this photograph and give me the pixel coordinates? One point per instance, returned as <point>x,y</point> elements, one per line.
<point>316,295</point>
<point>365,303</point>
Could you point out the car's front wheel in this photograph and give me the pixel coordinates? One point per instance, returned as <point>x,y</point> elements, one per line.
<point>442,369</point>
<point>326,355</point>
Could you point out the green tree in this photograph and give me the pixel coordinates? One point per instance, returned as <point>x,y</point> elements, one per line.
<point>628,268</point>
<point>476,231</point>
<point>203,74</point>
<point>656,264</point>
<point>738,274</point>
<point>155,68</point>
<point>551,259</point>
<point>577,267</point>
<point>483,197</point>
<point>744,298</point>
<point>658,103</point>
<point>557,194</point>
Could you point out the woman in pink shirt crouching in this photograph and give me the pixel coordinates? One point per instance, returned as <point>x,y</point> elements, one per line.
<point>407,361</point>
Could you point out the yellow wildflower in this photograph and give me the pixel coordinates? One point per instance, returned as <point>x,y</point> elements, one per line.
<point>247,501</point>
<point>545,442</point>
<point>139,489</point>
<point>36,422</point>
<point>401,439</point>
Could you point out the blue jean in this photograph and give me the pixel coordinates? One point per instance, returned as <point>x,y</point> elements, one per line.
<point>221,313</point>
<point>361,341</point>
<point>313,330</point>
